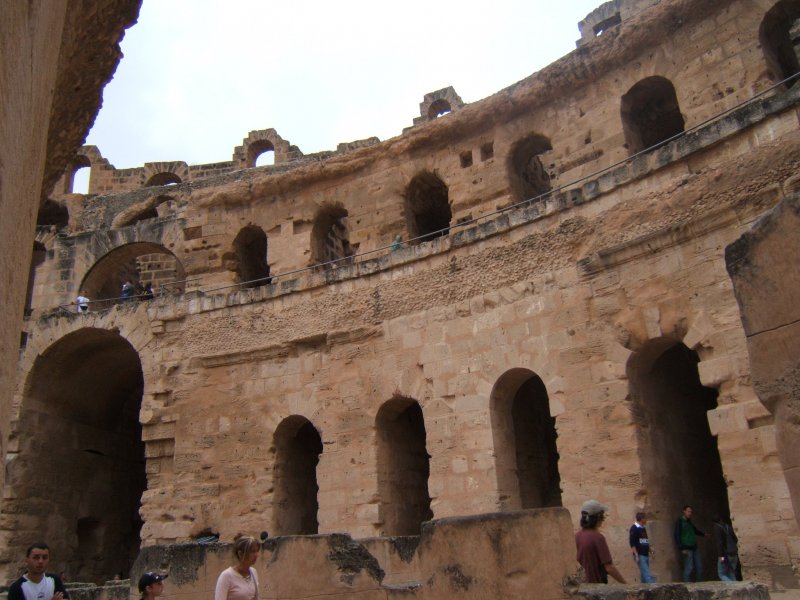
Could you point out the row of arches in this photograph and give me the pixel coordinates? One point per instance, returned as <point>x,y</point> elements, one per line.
<point>82,459</point>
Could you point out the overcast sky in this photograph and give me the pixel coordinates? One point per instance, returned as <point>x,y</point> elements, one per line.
<point>198,75</point>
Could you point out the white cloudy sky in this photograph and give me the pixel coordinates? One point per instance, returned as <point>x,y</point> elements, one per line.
<point>198,75</point>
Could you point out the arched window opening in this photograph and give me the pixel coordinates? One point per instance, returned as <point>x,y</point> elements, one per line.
<point>427,205</point>
<point>779,35</point>
<point>528,177</point>
<point>139,264</point>
<point>650,114</point>
<point>329,235</point>
<point>438,108</point>
<point>52,214</point>
<point>679,457</point>
<point>77,175</point>
<point>249,260</point>
<point>80,180</point>
<point>260,153</point>
<point>403,467</point>
<point>298,447</point>
<point>165,178</point>
<point>525,437</point>
<point>37,258</point>
<point>607,24</point>
<point>80,474</point>
<point>265,159</point>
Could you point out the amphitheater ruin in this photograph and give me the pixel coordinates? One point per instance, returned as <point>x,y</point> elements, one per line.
<point>518,303</point>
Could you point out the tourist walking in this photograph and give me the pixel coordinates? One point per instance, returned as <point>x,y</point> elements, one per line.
<point>727,545</point>
<point>151,585</point>
<point>36,583</point>
<point>640,547</point>
<point>686,535</point>
<point>240,582</point>
<point>593,553</point>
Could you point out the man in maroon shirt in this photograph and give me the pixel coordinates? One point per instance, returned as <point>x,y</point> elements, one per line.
<point>593,552</point>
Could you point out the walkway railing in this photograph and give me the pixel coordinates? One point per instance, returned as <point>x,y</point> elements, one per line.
<point>177,288</point>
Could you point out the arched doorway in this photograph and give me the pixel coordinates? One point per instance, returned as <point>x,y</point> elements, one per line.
<point>249,257</point>
<point>650,114</point>
<point>79,475</point>
<point>403,467</point>
<point>140,263</point>
<point>779,36</point>
<point>329,235</point>
<point>524,436</point>
<point>679,459</point>
<point>298,447</point>
<point>427,206</point>
<point>528,177</point>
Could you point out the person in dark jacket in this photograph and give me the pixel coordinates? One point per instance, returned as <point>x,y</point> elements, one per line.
<point>727,545</point>
<point>36,583</point>
<point>686,535</point>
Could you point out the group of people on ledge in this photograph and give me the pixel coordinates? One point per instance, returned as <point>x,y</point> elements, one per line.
<point>130,291</point>
<point>595,556</point>
<point>240,580</point>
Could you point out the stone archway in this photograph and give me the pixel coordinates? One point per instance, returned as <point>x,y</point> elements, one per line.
<point>139,262</point>
<point>403,467</point>
<point>679,458</point>
<point>524,436</point>
<point>78,475</point>
<point>427,207</point>
<point>298,447</point>
<point>650,114</point>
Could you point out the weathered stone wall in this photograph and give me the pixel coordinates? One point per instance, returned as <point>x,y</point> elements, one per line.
<point>608,301</point>
<point>489,556</point>
<point>763,266</point>
<point>54,62</point>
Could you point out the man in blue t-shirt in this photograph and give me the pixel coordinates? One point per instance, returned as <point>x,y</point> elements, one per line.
<point>36,584</point>
<point>640,547</point>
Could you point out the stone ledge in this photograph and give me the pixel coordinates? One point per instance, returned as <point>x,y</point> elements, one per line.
<point>708,590</point>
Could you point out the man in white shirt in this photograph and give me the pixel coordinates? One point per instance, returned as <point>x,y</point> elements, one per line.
<point>36,584</point>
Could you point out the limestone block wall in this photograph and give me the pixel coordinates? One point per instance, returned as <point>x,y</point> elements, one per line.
<point>762,267</point>
<point>408,384</point>
<point>52,72</point>
<point>491,556</point>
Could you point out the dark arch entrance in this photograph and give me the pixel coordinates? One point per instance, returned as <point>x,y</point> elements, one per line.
<point>139,262</point>
<point>679,458</point>
<point>403,467</point>
<point>79,475</point>
<point>650,114</point>
<point>298,447</point>
<point>528,177</point>
<point>779,35</point>
<point>249,257</point>
<point>428,212</point>
<point>329,235</point>
<point>525,442</point>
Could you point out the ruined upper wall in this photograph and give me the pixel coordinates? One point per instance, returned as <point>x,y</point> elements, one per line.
<point>545,86</point>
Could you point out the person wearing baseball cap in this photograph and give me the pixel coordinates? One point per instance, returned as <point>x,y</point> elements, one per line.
<point>151,585</point>
<point>593,553</point>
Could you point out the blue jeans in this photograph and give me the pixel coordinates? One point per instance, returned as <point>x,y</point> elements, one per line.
<point>726,570</point>
<point>644,569</point>
<point>691,562</point>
